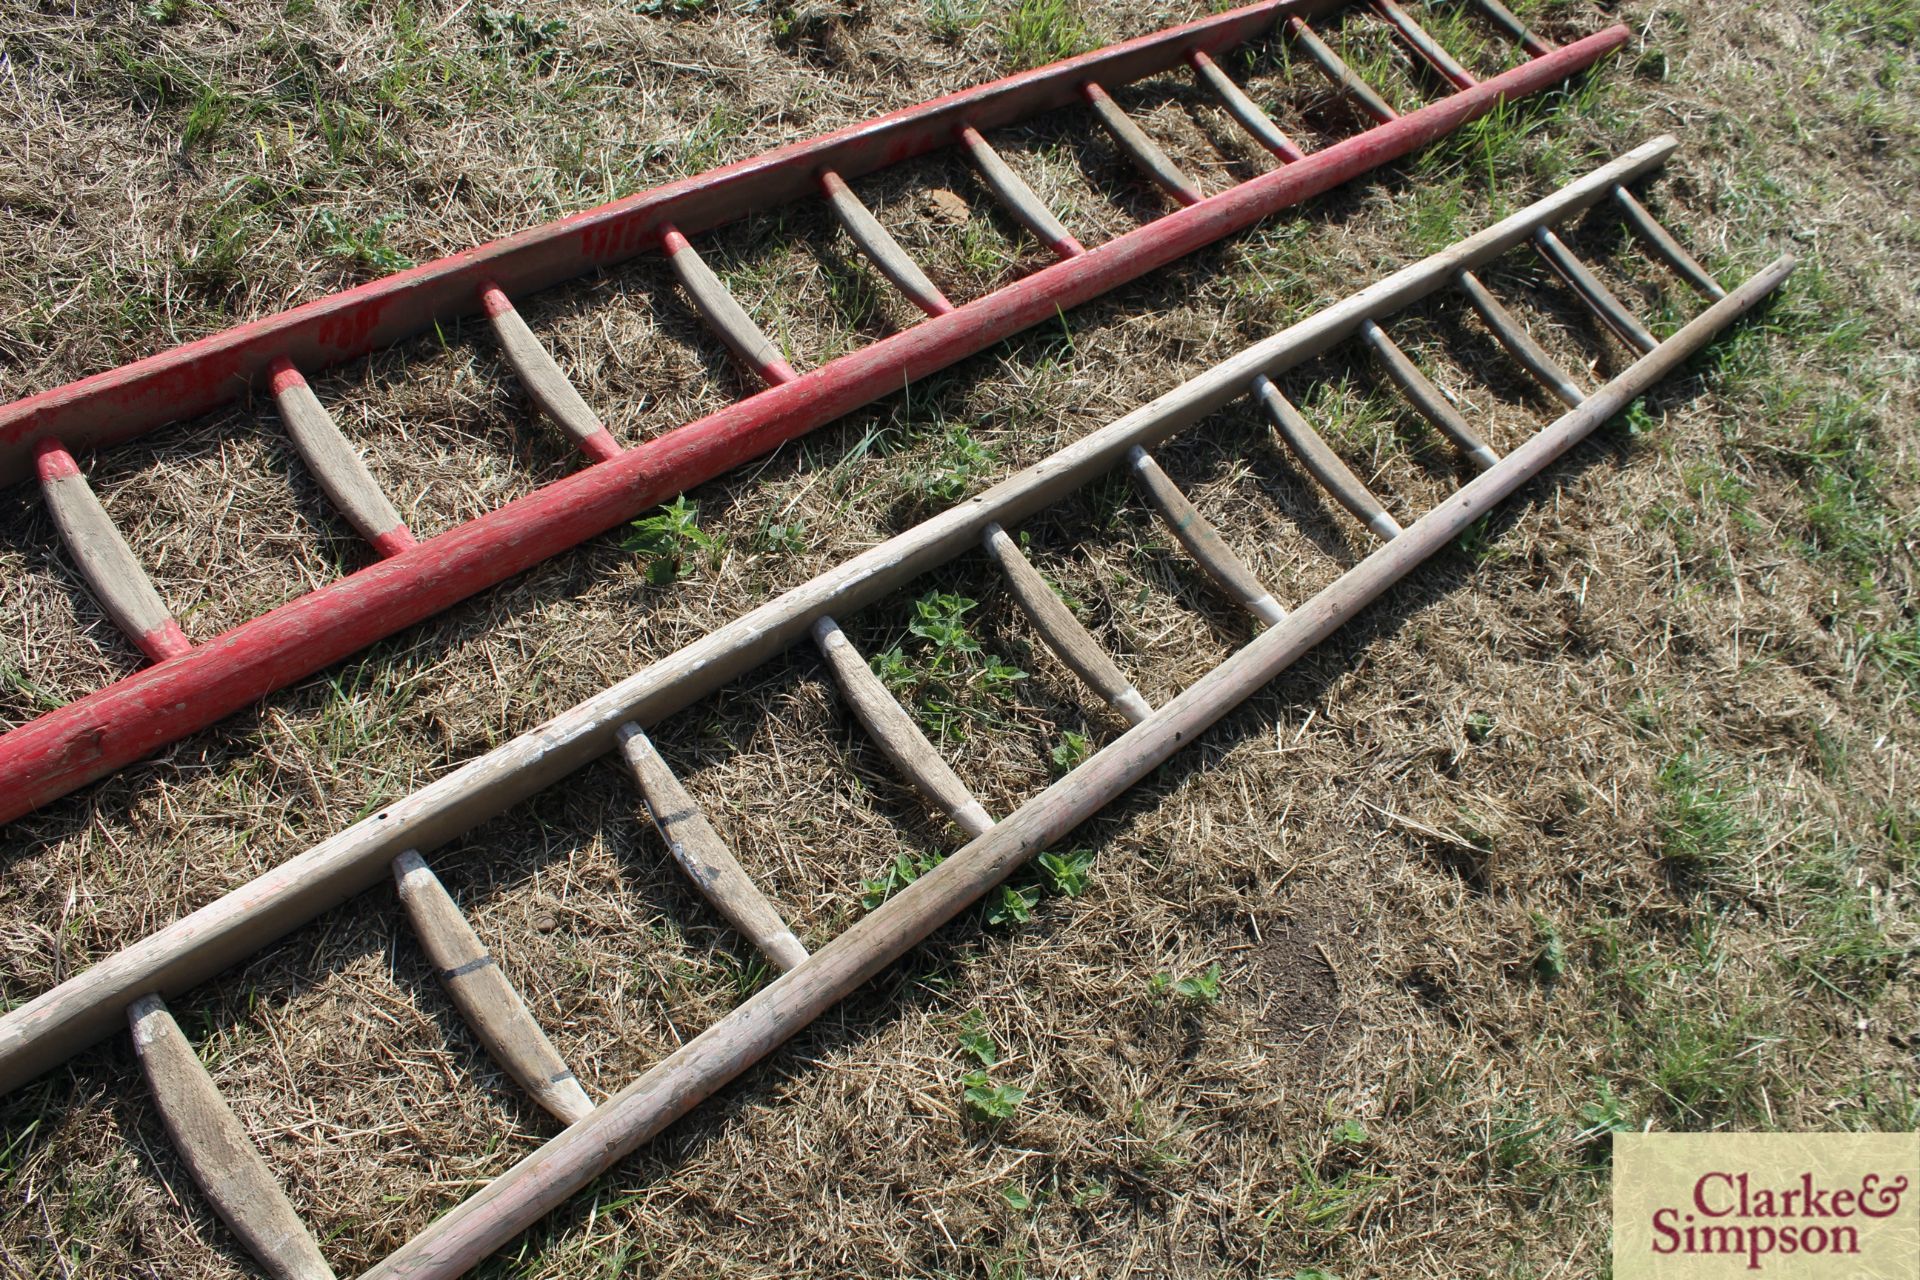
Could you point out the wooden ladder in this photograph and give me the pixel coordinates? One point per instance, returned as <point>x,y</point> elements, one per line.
<point>193,685</point>
<point>131,984</point>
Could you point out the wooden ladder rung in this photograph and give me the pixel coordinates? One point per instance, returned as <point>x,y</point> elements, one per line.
<point>488,1002</point>
<point>1504,18</point>
<point>1201,540</point>
<point>1670,250</point>
<point>1244,109</point>
<point>1339,72</point>
<point>1588,287</point>
<point>1519,344</point>
<point>1141,149</point>
<point>216,1150</point>
<point>896,733</point>
<point>538,372</point>
<point>1063,633</point>
<point>703,855</point>
<point>1322,463</point>
<point>722,312</point>
<point>1426,397</point>
<point>103,557</point>
<point>879,246</point>
<point>335,467</point>
<point>1422,42</point>
<point>1016,197</point>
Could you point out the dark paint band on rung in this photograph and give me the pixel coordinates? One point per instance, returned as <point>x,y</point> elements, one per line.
<point>461,971</point>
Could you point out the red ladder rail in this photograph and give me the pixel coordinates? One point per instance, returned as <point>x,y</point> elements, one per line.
<point>91,737</point>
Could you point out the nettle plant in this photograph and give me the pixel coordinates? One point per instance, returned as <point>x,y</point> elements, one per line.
<point>671,539</point>
<point>943,671</point>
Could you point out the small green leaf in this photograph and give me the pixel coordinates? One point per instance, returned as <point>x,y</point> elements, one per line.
<point>1017,1199</point>
<point>1014,907</point>
<point>1067,873</point>
<point>974,1039</point>
<point>990,1101</point>
<point>1201,988</point>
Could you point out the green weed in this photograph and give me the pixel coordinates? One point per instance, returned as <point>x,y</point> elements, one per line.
<point>901,872</point>
<point>975,1041</point>
<point>670,537</point>
<point>1201,988</point>
<point>362,246</point>
<point>949,677</point>
<point>1069,873</point>
<point>961,461</point>
<point>513,35</point>
<point>951,19</point>
<point>1070,751</point>
<point>1013,905</point>
<point>988,1101</point>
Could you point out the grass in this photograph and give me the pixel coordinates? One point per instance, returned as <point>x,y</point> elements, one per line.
<point>1043,31</point>
<point>1667,695</point>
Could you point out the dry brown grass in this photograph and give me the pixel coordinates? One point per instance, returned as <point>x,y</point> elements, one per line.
<point>1613,803</point>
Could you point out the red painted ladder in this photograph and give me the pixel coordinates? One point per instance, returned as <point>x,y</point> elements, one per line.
<point>194,685</point>
<point>130,987</point>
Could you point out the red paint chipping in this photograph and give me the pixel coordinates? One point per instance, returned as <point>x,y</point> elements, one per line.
<point>282,377</point>
<point>493,301</point>
<point>601,446</point>
<point>53,461</point>
<point>395,540</point>
<point>164,642</point>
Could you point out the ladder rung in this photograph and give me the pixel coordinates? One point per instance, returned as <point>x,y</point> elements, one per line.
<point>1599,299</point>
<point>881,249</point>
<point>488,1002</point>
<point>211,1141</point>
<point>103,556</point>
<point>1061,630</point>
<point>1426,397</point>
<point>1322,463</point>
<point>1014,195</point>
<point>1244,109</point>
<point>1421,42</point>
<point>1339,72</point>
<point>336,468</point>
<point>550,388</point>
<point>1504,18</point>
<point>703,855</point>
<point>899,737</point>
<point>1141,149</point>
<point>1202,541</point>
<point>1670,250</point>
<point>1519,344</point>
<point>722,312</point>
